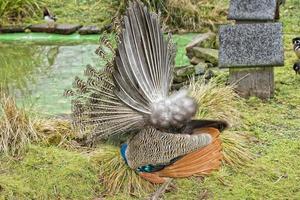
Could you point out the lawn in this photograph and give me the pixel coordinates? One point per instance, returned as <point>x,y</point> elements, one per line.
<point>272,128</point>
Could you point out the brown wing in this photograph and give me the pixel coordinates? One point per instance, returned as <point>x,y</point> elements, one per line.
<point>200,162</point>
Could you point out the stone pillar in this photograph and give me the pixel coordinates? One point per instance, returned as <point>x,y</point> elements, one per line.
<point>252,47</point>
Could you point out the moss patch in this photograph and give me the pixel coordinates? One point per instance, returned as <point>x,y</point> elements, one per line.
<point>273,176</point>
<point>48,173</point>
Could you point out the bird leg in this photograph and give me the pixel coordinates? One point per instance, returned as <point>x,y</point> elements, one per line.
<point>161,190</point>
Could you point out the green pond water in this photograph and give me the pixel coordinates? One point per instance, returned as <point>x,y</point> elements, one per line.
<point>38,67</point>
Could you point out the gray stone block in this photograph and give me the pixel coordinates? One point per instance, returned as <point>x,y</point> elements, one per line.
<point>12,29</point>
<point>184,71</point>
<point>209,55</point>
<point>86,30</point>
<point>43,28</point>
<point>195,60</point>
<point>200,69</point>
<point>64,29</point>
<point>252,10</point>
<point>199,40</point>
<point>67,29</point>
<point>247,45</point>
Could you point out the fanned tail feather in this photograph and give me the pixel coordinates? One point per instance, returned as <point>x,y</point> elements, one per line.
<point>95,107</point>
<point>143,70</point>
<point>133,89</point>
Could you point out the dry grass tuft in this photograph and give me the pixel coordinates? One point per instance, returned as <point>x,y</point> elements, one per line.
<point>221,102</point>
<point>236,149</point>
<point>216,102</point>
<point>185,15</point>
<point>16,127</point>
<point>57,132</point>
<point>116,176</point>
<point>194,15</point>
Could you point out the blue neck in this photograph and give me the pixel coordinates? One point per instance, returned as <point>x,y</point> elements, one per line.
<point>123,152</point>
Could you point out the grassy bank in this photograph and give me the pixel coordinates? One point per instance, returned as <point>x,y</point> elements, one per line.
<point>180,15</point>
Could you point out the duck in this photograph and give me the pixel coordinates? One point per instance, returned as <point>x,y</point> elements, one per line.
<point>49,18</point>
<point>296,67</point>
<point>296,47</point>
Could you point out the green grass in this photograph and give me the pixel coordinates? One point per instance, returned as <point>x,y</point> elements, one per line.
<point>273,176</point>
<point>48,173</point>
<point>179,15</point>
<point>15,11</point>
<point>31,11</point>
<point>273,128</point>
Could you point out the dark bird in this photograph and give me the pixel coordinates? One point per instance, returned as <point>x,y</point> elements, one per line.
<point>281,2</point>
<point>296,67</point>
<point>132,95</point>
<point>49,18</point>
<point>296,47</point>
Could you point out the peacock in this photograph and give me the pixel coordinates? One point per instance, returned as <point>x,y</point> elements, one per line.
<point>131,95</point>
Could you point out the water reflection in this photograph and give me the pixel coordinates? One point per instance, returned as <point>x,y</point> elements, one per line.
<point>37,74</point>
<point>18,65</point>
